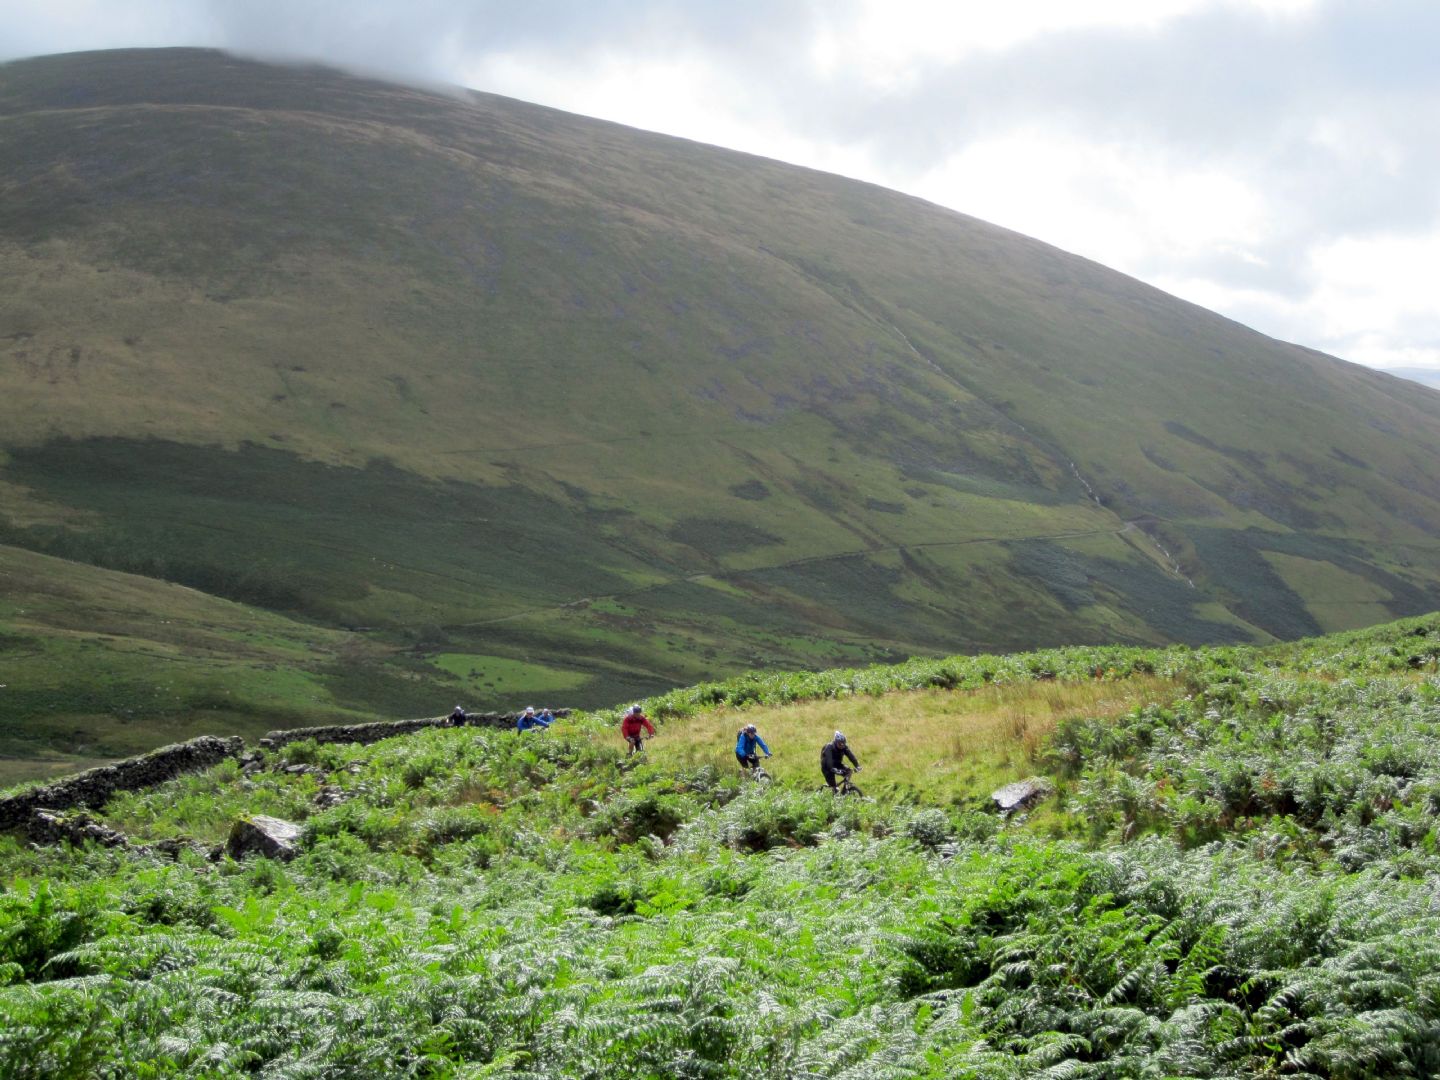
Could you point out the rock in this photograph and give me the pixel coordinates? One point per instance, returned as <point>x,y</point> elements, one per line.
<point>1020,795</point>
<point>271,837</point>
<point>329,796</point>
<point>176,846</point>
<point>53,827</point>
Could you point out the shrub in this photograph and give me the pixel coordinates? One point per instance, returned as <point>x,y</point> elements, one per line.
<point>929,828</point>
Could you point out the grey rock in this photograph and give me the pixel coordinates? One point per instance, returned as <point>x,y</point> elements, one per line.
<point>53,827</point>
<point>330,796</point>
<point>1020,795</point>
<point>259,834</point>
<point>173,848</point>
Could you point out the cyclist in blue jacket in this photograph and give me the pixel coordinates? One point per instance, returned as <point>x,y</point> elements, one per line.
<point>529,720</point>
<point>745,744</point>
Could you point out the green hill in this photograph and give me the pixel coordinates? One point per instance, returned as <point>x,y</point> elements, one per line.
<point>500,391</point>
<point>1234,876</point>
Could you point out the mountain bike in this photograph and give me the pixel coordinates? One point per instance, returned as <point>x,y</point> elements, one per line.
<point>845,787</point>
<point>755,771</point>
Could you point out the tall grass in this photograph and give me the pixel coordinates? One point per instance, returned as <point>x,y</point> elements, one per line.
<point>936,745</point>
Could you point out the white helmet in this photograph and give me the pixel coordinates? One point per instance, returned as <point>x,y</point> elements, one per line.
<point>840,737</point>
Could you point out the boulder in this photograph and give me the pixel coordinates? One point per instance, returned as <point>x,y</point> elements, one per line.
<point>1020,795</point>
<point>271,837</point>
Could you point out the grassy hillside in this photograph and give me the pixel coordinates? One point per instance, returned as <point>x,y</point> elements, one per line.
<point>1235,877</point>
<point>524,388</point>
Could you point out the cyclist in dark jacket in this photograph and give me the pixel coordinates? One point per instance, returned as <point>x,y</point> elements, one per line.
<point>832,758</point>
<point>745,744</point>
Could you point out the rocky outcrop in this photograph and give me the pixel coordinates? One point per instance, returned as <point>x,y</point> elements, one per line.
<point>94,787</point>
<point>386,729</point>
<point>54,827</point>
<point>1020,795</point>
<point>271,837</point>
<point>79,828</point>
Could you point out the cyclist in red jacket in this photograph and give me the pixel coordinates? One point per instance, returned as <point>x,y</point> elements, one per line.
<point>634,721</point>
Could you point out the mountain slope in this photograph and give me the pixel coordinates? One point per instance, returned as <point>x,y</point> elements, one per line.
<point>493,380</point>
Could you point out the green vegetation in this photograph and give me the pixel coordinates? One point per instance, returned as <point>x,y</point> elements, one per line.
<point>486,379</point>
<point>1234,877</point>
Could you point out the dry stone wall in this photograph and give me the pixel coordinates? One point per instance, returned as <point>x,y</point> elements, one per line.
<point>386,729</point>
<point>95,786</point>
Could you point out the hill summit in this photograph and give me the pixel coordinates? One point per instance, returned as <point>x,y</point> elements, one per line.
<point>462,397</point>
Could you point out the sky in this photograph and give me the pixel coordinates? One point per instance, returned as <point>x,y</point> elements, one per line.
<point>1277,161</point>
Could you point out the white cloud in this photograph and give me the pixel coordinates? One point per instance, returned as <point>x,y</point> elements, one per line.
<point>1113,203</point>
<point>880,39</point>
<point>1368,286</point>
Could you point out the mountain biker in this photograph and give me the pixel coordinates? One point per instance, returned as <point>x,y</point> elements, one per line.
<point>457,718</point>
<point>832,756</point>
<point>631,725</point>
<point>746,740</point>
<point>528,720</point>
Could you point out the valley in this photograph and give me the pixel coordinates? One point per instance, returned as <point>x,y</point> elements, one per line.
<point>441,384</point>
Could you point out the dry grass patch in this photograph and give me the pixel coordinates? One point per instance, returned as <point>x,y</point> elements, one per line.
<point>941,745</point>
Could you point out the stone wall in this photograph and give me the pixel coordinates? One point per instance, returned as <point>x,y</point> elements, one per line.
<point>94,787</point>
<point>386,729</point>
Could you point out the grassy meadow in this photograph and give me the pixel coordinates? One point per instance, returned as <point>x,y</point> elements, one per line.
<point>941,747</point>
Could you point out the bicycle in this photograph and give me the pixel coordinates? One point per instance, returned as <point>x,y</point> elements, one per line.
<point>755,771</point>
<point>845,787</point>
<point>637,743</point>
